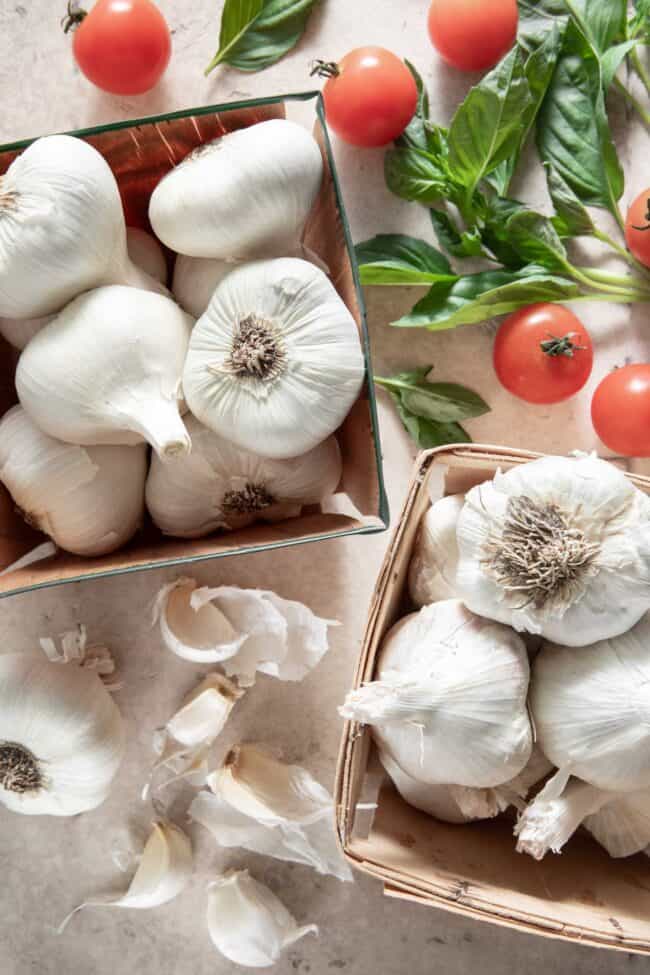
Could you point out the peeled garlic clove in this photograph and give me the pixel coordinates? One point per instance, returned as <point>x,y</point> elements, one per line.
<point>201,634</point>
<point>90,500</point>
<point>275,363</point>
<point>107,370</point>
<point>246,194</point>
<point>220,485</point>
<point>163,872</point>
<point>247,923</point>
<point>195,280</point>
<point>449,701</point>
<point>432,572</point>
<point>204,711</point>
<point>146,253</point>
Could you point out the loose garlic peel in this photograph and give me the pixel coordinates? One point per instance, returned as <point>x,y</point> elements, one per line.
<point>163,872</point>
<point>559,546</point>
<point>432,571</point>
<point>247,923</point>
<point>245,630</point>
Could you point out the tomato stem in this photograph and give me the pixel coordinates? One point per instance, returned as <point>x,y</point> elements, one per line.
<point>73,17</point>
<point>555,346</point>
<point>324,69</point>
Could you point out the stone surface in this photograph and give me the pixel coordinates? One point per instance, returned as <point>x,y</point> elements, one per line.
<point>49,866</point>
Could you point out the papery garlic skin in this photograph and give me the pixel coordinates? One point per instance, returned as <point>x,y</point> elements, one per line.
<point>247,923</point>
<point>449,701</point>
<point>61,737</point>
<point>432,571</point>
<point>62,228</point>
<point>622,826</point>
<point>275,363</point>
<point>89,500</point>
<point>107,370</point>
<point>591,709</point>
<point>577,521</point>
<point>19,331</point>
<point>222,486</point>
<point>195,280</point>
<point>246,194</point>
<point>146,253</point>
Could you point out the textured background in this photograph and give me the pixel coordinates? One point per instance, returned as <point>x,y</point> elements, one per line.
<point>49,866</point>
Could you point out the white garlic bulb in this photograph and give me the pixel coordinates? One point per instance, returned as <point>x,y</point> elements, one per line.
<point>195,280</point>
<point>220,485</point>
<point>107,369</point>
<point>559,546</point>
<point>275,364</point>
<point>61,737</point>
<point>432,571</point>
<point>591,708</point>
<point>62,228</point>
<point>449,701</point>
<point>90,501</point>
<point>19,331</point>
<point>246,194</point>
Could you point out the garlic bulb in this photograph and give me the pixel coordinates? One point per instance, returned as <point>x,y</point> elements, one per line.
<point>246,194</point>
<point>195,280</point>
<point>220,485</point>
<point>432,572</point>
<point>90,500</point>
<point>559,546</point>
<point>19,331</point>
<point>107,370</point>
<point>275,363</point>
<point>591,709</point>
<point>61,737</point>
<point>449,701</point>
<point>247,923</point>
<point>622,827</point>
<point>62,228</point>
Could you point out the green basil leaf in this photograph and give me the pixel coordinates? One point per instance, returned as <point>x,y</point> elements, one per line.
<point>602,23</point>
<point>414,174</point>
<point>425,432</point>
<point>495,235</point>
<point>442,402</point>
<point>574,217</point>
<point>536,240</point>
<point>398,259</point>
<point>537,18</point>
<point>639,25</point>
<point>257,33</point>
<point>414,135</point>
<point>487,126</point>
<point>611,60</point>
<point>465,243</point>
<point>479,297</point>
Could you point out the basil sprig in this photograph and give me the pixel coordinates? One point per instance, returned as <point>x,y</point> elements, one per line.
<point>256,33</point>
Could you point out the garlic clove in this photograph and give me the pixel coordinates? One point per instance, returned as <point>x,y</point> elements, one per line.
<point>202,633</point>
<point>247,923</point>
<point>163,872</point>
<point>432,571</point>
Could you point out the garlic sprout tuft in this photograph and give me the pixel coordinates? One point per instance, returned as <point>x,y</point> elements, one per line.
<point>558,546</point>
<point>247,923</point>
<point>432,572</point>
<point>221,486</point>
<point>275,363</point>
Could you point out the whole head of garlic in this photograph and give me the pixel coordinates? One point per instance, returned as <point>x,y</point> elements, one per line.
<point>559,546</point>
<point>195,280</point>
<point>275,363</point>
<point>107,369</point>
<point>449,700</point>
<point>89,500</point>
<point>62,228</point>
<point>61,736</point>
<point>591,708</point>
<point>432,571</point>
<point>246,194</point>
<point>220,485</point>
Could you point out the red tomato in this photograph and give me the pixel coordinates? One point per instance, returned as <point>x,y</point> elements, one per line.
<point>637,227</point>
<point>543,353</point>
<point>370,96</point>
<point>620,410</point>
<point>123,46</point>
<point>472,34</point>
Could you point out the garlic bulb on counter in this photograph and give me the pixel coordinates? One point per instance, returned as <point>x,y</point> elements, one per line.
<point>107,370</point>
<point>246,194</point>
<point>61,736</point>
<point>275,364</point>
<point>449,701</point>
<point>591,709</point>
<point>89,500</point>
<point>195,280</point>
<point>19,331</point>
<point>220,485</point>
<point>63,228</point>
<point>432,572</point>
<point>559,546</point>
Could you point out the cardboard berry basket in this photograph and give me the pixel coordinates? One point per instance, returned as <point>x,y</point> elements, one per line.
<point>140,152</point>
<point>473,869</point>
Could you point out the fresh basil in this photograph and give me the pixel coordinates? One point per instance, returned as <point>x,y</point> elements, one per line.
<point>601,21</point>
<point>414,135</point>
<point>398,259</point>
<point>537,18</point>
<point>612,59</point>
<point>536,240</point>
<point>415,174</point>
<point>256,33</point>
<point>639,24</point>
<point>458,243</point>
<point>572,218</point>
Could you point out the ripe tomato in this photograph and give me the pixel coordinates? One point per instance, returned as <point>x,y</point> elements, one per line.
<point>370,96</point>
<point>543,353</point>
<point>472,34</point>
<point>620,410</point>
<point>123,46</point>
<point>637,227</point>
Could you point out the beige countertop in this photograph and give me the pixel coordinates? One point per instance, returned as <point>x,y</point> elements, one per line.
<point>48,866</point>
